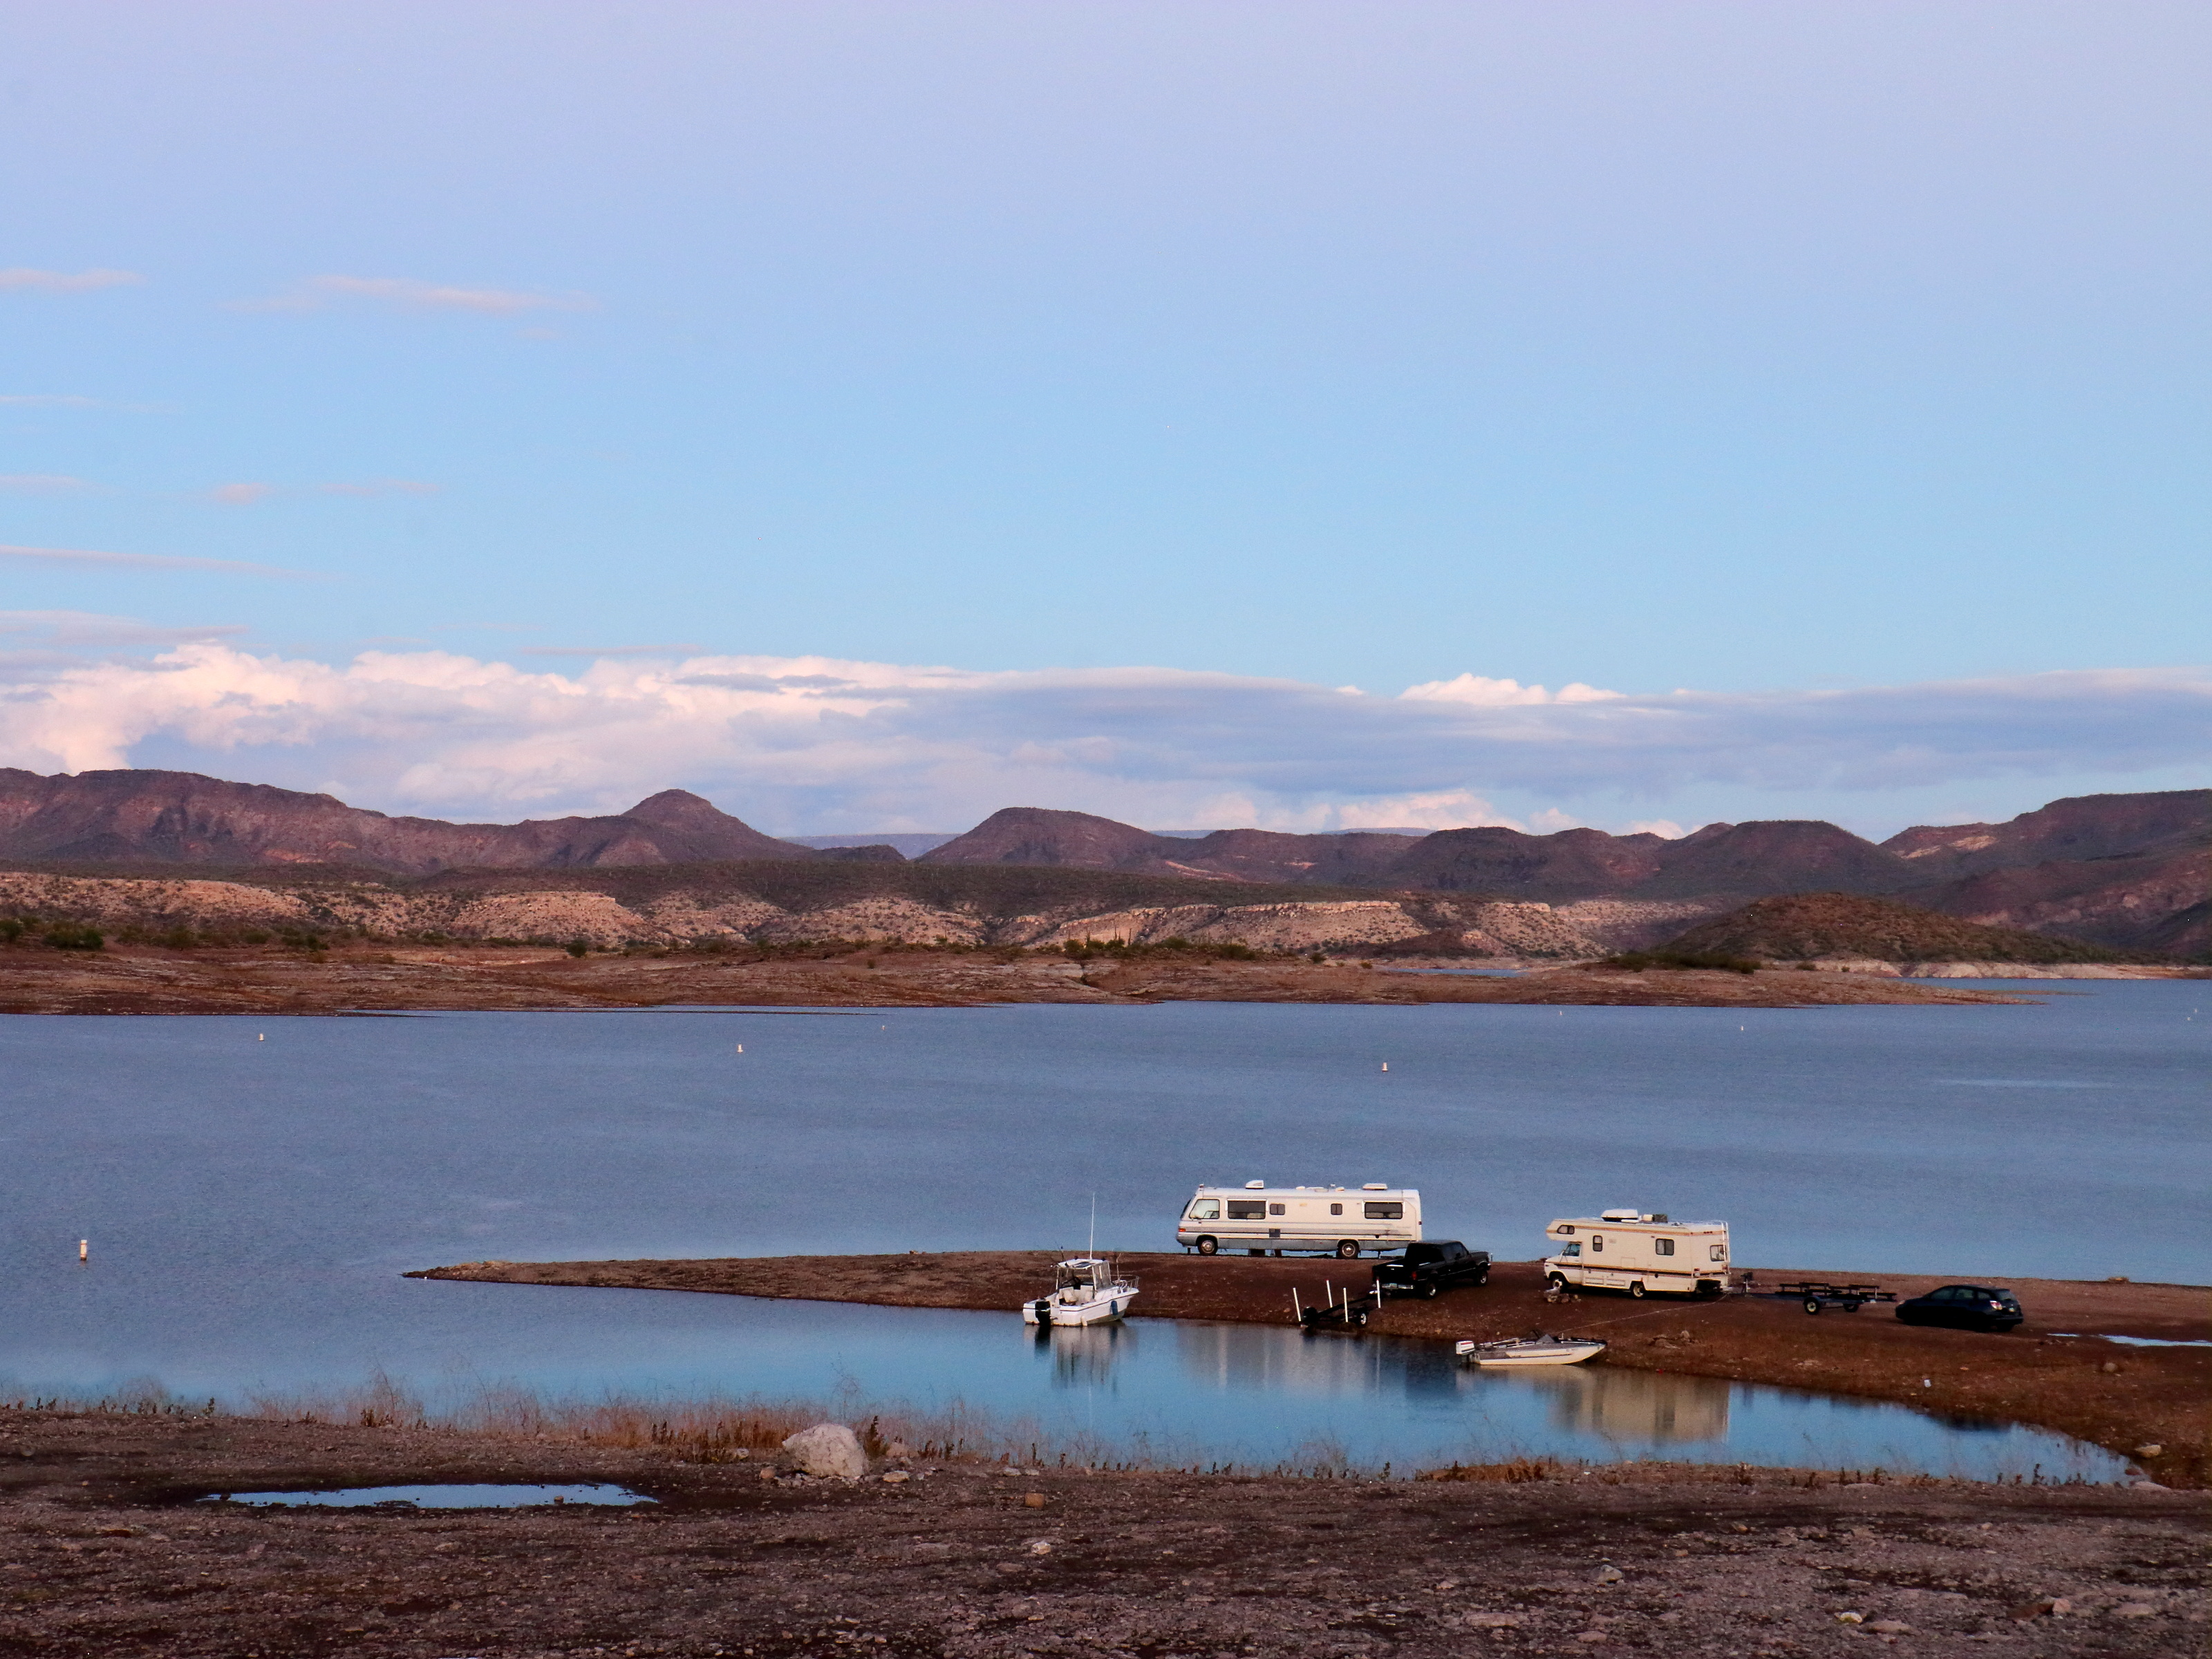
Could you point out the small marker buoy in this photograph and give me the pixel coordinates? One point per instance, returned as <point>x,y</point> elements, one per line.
<point>84,1250</point>
<point>261,1037</point>
<point>741,1048</point>
<point>1386,1065</point>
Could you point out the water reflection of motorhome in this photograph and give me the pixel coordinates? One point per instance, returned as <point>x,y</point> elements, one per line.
<point>1628,1407</point>
<point>1083,1356</point>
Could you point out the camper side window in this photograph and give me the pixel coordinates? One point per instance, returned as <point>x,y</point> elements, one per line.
<point>1663,1247</point>
<point>1206,1209</point>
<point>1597,1242</point>
<point>1336,1209</point>
<point>1720,1252</point>
<point>1247,1209</point>
<point>1275,1209</point>
<point>1385,1211</point>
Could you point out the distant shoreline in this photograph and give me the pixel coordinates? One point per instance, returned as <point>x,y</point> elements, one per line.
<point>134,979</point>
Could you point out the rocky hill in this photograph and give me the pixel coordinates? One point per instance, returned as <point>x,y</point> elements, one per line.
<point>1816,926</point>
<point>181,817</point>
<point>2128,872</point>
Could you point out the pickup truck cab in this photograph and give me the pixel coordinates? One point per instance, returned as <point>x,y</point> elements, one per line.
<point>1426,1270</point>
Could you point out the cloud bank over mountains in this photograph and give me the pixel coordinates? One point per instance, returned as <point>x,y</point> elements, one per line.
<point>808,743</point>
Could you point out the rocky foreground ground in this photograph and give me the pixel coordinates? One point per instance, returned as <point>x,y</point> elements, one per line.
<point>149,980</point>
<point>105,1550</point>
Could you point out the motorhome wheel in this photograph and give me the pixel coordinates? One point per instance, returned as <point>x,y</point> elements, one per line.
<point>1557,1282</point>
<point>1637,1290</point>
<point>1208,1246</point>
<point>1346,1250</point>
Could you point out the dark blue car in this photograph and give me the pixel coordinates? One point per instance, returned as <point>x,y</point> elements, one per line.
<point>1970,1307</point>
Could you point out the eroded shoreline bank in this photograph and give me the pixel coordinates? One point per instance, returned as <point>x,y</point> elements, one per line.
<point>2056,1372</point>
<point>148,979</point>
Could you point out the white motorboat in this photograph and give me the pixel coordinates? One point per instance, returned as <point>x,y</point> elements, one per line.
<point>1531,1350</point>
<point>1086,1290</point>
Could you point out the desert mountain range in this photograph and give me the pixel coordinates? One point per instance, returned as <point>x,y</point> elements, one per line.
<point>2127,870</point>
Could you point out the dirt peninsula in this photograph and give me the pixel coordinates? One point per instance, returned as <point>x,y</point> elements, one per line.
<point>2058,1371</point>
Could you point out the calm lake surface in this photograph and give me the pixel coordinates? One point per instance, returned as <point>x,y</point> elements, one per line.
<point>251,1202</point>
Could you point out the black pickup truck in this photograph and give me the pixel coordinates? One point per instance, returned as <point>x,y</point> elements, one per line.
<point>1425,1269</point>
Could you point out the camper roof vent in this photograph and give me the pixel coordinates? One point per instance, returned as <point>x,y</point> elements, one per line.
<point>1655,1218</point>
<point>1619,1215</point>
<point>1254,1186</point>
<point>1374,1186</point>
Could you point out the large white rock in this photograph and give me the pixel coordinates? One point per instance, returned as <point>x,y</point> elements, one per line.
<point>828,1449</point>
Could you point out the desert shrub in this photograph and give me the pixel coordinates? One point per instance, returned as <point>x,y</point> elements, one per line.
<point>74,936</point>
<point>1638,961</point>
<point>579,947</point>
<point>11,929</point>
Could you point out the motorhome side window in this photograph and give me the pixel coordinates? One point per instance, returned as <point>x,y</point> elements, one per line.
<point>1386,1212</point>
<point>1247,1209</point>
<point>1206,1209</point>
<point>1663,1247</point>
<point>1720,1252</point>
<point>1336,1209</point>
<point>1597,1242</point>
<point>1275,1209</point>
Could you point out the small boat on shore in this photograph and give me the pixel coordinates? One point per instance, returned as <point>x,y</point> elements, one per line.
<point>1086,1290</point>
<point>1518,1351</point>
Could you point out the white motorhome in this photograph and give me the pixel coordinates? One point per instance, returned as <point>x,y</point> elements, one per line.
<point>1258,1218</point>
<point>1627,1250</point>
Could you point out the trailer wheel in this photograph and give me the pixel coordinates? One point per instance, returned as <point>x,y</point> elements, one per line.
<point>1812,1304</point>
<point>1346,1250</point>
<point>1637,1290</point>
<point>1208,1246</point>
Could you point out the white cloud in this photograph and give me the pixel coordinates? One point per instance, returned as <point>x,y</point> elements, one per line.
<point>24,279</point>
<point>407,294</point>
<point>84,555</point>
<point>795,742</point>
<point>1500,693</point>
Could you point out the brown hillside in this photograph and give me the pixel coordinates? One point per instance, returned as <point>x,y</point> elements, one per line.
<point>1808,927</point>
<point>133,816</point>
<point>2077,828</point>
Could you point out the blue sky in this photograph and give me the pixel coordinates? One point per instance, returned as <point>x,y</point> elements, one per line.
<point>1803,359</point>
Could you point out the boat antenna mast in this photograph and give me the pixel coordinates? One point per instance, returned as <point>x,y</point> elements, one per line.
<point>1091,1250</point>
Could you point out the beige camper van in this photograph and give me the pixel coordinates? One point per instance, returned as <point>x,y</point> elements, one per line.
<point>1643,1254</point>
<point>1259,1219</point>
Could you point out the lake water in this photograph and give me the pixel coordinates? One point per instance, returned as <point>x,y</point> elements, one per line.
<point>252,1188</point>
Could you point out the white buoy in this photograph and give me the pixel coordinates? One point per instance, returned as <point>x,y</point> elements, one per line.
<point>741,1048</point>
<point>84,1250</point>
<point>261,1037</point>
<point>1386,1065</point>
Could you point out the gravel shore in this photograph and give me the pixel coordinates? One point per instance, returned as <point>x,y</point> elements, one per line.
<point>103,1551</point>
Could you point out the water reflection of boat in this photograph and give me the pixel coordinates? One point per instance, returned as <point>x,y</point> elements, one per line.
<point>1086,1289</point>
<point>1083,1356</point>
<point>1516,1353</point>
